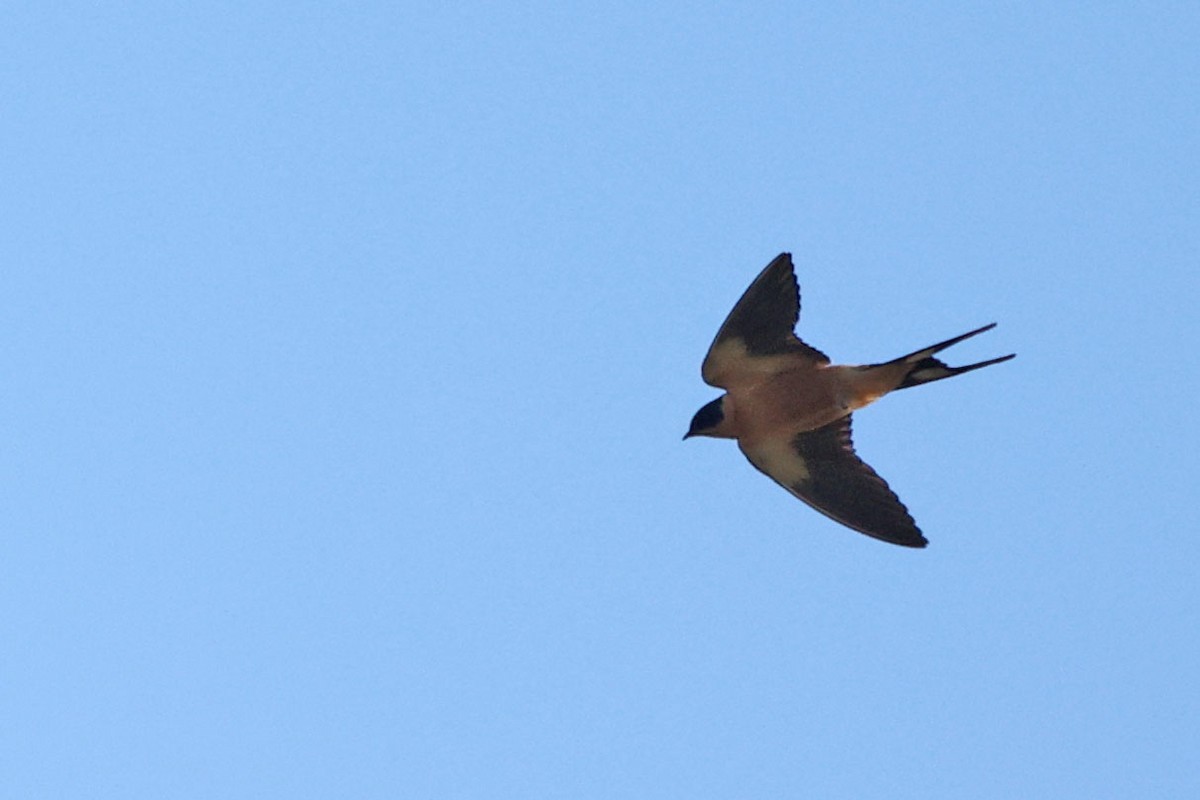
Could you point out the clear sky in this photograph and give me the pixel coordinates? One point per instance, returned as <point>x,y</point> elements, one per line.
<point>347,349</point>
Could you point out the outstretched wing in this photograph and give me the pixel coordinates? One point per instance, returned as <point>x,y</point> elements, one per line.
<point>821,468</point>
<point>760,328</point>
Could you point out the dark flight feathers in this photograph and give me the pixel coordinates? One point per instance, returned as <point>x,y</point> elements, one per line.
<point>842,487</point>
<point>765,317</point>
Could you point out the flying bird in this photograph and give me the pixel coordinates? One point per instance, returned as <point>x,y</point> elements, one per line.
<point>790,409</point>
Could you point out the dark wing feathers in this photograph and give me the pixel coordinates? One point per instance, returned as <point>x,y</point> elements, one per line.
<point>842,487</point>
<point>764,321</point>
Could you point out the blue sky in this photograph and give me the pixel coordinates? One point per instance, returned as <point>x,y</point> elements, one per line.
<point>347,348</point>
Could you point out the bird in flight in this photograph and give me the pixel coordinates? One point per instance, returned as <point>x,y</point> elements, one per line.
<point>790,409</point>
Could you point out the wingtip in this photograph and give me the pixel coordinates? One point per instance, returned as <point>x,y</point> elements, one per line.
<point>912,538</point>
<point>782,258</point>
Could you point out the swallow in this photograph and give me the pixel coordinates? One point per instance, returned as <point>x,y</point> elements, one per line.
<point>790,409</point>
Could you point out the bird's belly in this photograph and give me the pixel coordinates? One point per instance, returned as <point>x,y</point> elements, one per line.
<point>789,404</point>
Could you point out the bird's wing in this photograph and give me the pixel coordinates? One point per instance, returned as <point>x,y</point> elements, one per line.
<point>760,329</point>
<point>821,468</point>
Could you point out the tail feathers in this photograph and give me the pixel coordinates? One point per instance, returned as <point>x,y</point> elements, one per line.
<point>926,369</point>
<point>930,369</point>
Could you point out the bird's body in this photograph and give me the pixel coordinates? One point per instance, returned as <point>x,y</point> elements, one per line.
<point>789,408</point>
<point>815,396</point>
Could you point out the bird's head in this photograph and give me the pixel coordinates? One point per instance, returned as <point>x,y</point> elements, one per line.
<point>707,421</point>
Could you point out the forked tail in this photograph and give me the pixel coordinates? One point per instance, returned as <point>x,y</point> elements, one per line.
<point>924,368</point>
